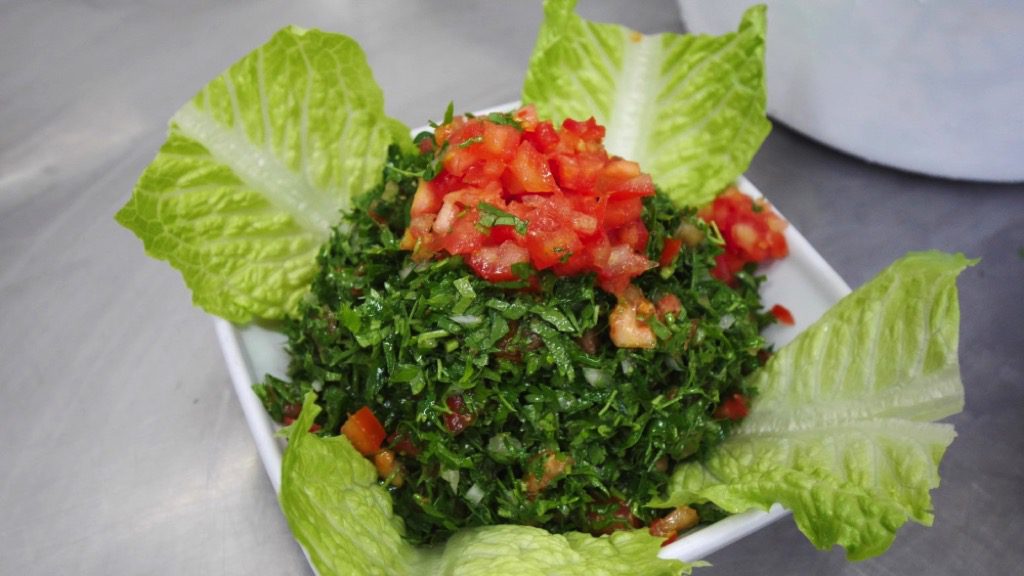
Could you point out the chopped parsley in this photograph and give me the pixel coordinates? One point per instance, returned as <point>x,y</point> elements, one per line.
<point>491,215</point>
<point>534,369</point>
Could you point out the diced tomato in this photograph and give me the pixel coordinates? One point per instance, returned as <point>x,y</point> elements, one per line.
<point>752,231</point>
<point>458,417</point>
<point>364,431</point>
<point>531,170</point>
<point>614,284</point>
<point>745,237</point>
<point>553,466</point>
<point>634,234</point>
<point>588,130</point>
<point>418,237</point>
<point>620,212</point>
<point>527,117</point>
<point>461,152</point>
<point>623,261</point>
<point>446,182</point>
<point>623,179</point>
<point>577,171</point>
<point>425,145</point>
<point>576,263</point>
<point>388,468</point>
<point>459,160</point>
<point>783,315</point>
<point>500,142</point>
<point>550,242</point>
<point>727,265</point>
<point>543,137</point>
<point>425,201</point>
<point>499,234</point>
<point>668,304</point>
<point>669,250</point>
<point>585,224</point>
<point>402,444</point>
<point>483,171</point>
<point>638,186</point>
<point>583,209</point>
<point>511,184</point>
<point>734,408</point>
<point>619,170</point>
<point>464,236</point>
<point>494,263</point>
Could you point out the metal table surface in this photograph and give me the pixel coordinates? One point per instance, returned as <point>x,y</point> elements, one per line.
<point>124,448</point>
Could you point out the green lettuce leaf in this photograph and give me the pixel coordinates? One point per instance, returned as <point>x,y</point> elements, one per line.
<point>690,109</point>
<point>334,505</point>
<point>841,433</point>
<point>256,168</point>
<point>344,520</point>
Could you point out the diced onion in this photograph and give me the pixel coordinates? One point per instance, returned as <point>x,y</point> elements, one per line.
<point>452,477</point>
<point>593,376</point>
<point>627,366</point>
<point>726,321</point>
<point>466,319</point>
<point>475,494</point>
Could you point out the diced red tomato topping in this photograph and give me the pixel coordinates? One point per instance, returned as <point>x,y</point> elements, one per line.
<point>734,407</point>
<point>364,431</point>
<point>618,213</point>
<point>494,263</point>
<point>753,232</point>
<point>582,208</point>
<point>634,235</point>
<point>783,315</point>
<point>531,171</point>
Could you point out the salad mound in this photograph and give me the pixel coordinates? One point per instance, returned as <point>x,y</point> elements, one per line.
<point>262,164</point>
<point>521,395</point>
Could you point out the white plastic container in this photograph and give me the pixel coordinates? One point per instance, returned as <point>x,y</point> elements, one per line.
<point>930,86</point>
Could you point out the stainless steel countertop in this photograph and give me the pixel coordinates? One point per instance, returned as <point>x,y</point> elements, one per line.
<point>124,448</point>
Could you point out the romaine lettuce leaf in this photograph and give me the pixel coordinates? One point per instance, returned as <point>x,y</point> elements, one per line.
<point>344,519</point>
<point>256,168</point>
<point>334,505</point>
<point>690,109</point>
<point>841,433</point>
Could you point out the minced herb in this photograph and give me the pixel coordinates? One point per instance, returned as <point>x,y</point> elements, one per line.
<point>533,367</point>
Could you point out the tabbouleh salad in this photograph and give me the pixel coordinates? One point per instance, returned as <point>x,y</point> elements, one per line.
<point>489,391</point>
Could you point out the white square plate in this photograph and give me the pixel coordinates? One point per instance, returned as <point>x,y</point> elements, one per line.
<point>802,282</point>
